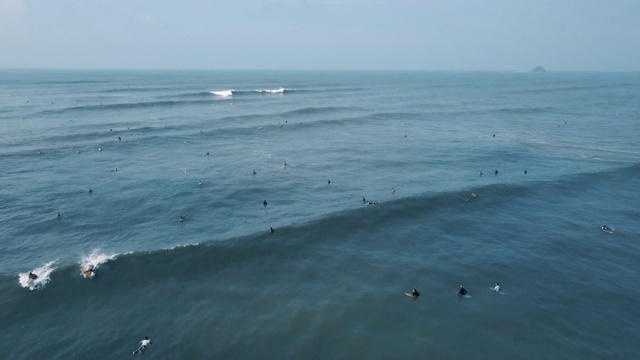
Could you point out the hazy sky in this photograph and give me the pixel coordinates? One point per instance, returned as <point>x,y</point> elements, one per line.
<point>561,35</point>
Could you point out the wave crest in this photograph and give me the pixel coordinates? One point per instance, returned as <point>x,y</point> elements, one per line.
<point>279,90</point>
<point>223,93</point>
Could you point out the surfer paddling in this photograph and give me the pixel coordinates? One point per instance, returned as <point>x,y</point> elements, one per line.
<point>414,293</point>
<point>496,288</point>
<point>462,291</point>
<point>143,345</point>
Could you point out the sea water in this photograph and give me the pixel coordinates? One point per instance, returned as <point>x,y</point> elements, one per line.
<point>367,178</point>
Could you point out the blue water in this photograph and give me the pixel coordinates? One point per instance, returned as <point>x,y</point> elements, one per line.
<point>329,282</point>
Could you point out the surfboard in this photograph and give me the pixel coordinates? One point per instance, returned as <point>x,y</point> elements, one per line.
<point>409,294</point>
<point>497,292</point>
<point>609,230</point>
<point>464,296</point>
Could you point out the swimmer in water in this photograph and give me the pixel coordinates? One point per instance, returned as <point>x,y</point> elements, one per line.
<point>495,172</point>
<point>200,182</point>
<point>393,190</point>
<point>89,191</point>
<point>254,172</point>
<point>207,153</point>
<point>143,345</point>
<point>496,288</point>
<point>462,291</point>
<point>265,203</point>
<point>59,215</point>
<point>328,182</point>
<point>415,293</point>
<point>525,171</point>
<point>480,173</point>
<point>119,138</point>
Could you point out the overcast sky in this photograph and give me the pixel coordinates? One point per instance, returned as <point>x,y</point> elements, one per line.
<point>485,35</point>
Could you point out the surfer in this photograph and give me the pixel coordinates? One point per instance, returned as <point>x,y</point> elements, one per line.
<point>393,190</point>
<point>480,173</point>
<point>58,215</point>
<point>415,293</point>
<point>271,231</point>
<point>462,291</point>
<point>89,191</point>
<point>181,218</point>
<point>605,228</point>
<point>328,181</point>
<point>143,345</point>
<point>474,194</point>
<point>200,182</point>
<point>466,199</point>
<point>495,172</point>
<point>264,204</point>
<point>364,201</point>
<point>525,171</point>
<point>496,288</point>
<point>254,172</point>
<point>89,272</point>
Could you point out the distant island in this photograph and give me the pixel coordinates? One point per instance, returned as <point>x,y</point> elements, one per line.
<point>538,69</point>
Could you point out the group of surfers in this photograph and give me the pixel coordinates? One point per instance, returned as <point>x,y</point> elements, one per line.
<point>462,291</point>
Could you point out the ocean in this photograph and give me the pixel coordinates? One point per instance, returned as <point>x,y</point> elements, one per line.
<point>366,178</point>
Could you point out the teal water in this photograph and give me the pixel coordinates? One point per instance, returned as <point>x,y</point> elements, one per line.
<point>328,282</point>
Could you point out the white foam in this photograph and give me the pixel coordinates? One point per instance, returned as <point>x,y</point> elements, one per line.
<point>273,91</point>
<point>223,93</point>
<point>94,259</point>
<point>43,272</point>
